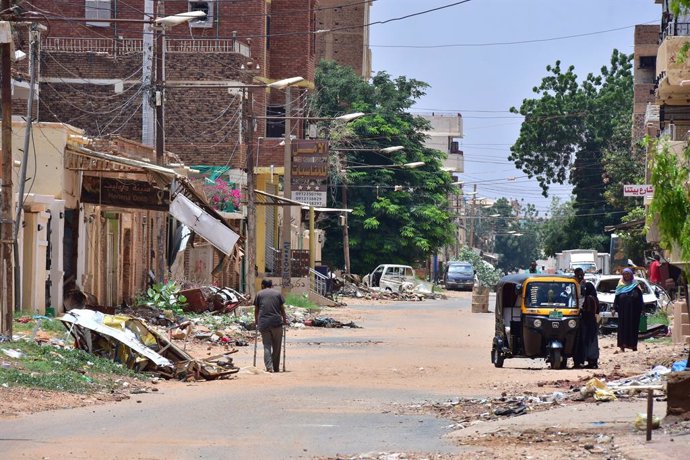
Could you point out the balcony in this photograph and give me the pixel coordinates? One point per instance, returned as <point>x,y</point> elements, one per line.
<point>673,78</point>
<point>133,45</point>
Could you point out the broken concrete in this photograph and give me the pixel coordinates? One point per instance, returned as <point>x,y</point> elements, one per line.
<point>678,389</point>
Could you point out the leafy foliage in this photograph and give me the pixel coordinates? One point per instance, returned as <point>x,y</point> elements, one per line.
<point>164,296</point>
<point>517,235</point>
<point>487,275</point>
<point>386,225</point>
<point>580,132</point>
<point>671,202</point>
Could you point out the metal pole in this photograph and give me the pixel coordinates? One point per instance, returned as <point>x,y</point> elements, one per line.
<point>161,218</point>
<point>287,193</point>
<point>6,223</point>
<point>33,65</point>
<point>248,135</point>
<point>346,232</point>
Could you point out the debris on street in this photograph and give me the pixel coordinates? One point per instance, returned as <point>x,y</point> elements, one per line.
<point>132,342</point>
<point>351,286</point>
<point>212,298</point>
<point>329,323</point>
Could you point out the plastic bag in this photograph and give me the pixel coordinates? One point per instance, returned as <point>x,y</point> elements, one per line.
<point>641,422</point>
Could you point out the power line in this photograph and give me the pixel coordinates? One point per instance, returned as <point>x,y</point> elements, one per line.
<point>519,42</point>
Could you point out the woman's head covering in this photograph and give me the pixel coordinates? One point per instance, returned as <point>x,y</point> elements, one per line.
<point>624,286</point>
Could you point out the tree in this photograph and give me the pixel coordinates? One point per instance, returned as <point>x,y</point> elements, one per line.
<point>399,215</point>
<point>578,132</point>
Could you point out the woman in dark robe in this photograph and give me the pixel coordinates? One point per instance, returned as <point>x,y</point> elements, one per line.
<point>629,304</point>
<point>587,345</point>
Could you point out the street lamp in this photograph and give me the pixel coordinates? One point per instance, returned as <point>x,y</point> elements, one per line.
<point>413,165</point>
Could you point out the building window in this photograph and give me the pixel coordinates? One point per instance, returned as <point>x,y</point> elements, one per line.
<point>648,62</point>
<point>98,9</point>
<point>275,127</point>
<point>205,6</point>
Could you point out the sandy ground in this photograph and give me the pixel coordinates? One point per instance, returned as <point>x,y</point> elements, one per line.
<point>434,350</point>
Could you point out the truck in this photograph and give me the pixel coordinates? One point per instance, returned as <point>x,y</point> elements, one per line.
<point>586,259</point>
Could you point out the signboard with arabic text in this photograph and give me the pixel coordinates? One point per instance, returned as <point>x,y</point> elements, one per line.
<point>310,171</point>
<point>123,193</point>
<point>638,190</point>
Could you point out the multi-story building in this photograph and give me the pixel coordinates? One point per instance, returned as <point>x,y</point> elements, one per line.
<point>98,62</point>
<point>667,115</point>
<point>446,130</point>
<point>343,34</point>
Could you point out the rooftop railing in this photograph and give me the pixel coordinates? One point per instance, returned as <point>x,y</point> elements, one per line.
<point>136,45</point>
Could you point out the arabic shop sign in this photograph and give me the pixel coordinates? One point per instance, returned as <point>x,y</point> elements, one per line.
<point>123,193</point>
<point>638,190</point>
<point>310,171</point>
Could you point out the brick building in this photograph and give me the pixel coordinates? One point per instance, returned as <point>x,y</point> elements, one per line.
<point>97,75</point>
<point>343,36</point>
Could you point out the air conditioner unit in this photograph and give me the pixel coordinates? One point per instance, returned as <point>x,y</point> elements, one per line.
<point>312,131</point>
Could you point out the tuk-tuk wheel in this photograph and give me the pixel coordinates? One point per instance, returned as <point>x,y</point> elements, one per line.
<point>497,357</point>
<point>557,361</point>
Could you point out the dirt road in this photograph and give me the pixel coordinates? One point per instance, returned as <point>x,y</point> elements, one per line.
<point>346,392</point>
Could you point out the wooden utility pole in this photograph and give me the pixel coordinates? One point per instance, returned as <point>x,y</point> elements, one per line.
<point>248,135</point>
<point>6,215</point>
<point>161,227</point>
<point>346,232</point>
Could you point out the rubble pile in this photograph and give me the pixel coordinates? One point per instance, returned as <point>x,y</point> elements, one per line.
<point>351,286</point>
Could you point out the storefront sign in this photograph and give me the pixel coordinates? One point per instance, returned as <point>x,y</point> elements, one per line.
<point>310,171</point>
<point>123,193</point>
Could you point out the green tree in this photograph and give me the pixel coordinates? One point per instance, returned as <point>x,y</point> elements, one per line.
<point>399,215</point>
<point>571,129</point>
<point>517,234</point>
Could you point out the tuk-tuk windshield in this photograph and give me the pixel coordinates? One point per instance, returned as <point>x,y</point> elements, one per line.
<point>550,294</point>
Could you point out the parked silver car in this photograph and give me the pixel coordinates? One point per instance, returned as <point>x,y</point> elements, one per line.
<point>391,277</point>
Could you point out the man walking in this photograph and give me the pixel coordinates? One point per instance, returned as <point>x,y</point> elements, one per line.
<point>269,317</point>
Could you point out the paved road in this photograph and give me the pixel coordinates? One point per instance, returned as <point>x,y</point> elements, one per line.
<point>339,396</point>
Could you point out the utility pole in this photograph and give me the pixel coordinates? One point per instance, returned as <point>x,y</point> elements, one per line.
<point>473,215</point>
<point>248,135</point>
<point>286,230</point>
<point>6,222</point>
<point>161,218</point>
<point>346,232</point>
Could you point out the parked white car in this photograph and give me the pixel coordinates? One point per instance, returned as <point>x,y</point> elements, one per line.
<point>390,277</point>
<point>606,292</point>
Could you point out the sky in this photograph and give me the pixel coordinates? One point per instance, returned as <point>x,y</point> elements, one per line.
<point>483,82</point>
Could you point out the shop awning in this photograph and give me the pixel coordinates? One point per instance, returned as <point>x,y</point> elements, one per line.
<point>186,203</point>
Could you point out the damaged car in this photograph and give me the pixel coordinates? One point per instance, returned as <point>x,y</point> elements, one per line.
<point>391,277</point>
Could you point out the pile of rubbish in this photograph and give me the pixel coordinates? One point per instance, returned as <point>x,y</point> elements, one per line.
<point>350,286</point>
<point>132,342</point>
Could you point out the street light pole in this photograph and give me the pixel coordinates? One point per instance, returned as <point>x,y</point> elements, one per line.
<point>248,135</point>
<point>287,193</point>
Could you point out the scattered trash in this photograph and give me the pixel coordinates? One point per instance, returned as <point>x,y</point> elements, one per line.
<point>641,422</point>
<point>16,354</point>
<point>329,323</point>
<point>679,366</point>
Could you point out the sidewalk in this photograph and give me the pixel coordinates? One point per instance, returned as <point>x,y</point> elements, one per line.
<point>614,419</point>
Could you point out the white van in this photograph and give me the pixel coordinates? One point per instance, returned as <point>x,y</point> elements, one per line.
<point>390,277</point>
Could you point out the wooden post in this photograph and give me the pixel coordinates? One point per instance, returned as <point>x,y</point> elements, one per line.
<point>6,215</point>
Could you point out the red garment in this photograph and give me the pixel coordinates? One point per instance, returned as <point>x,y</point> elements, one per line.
<point>654,272</point>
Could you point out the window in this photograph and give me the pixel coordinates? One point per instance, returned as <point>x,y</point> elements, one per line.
<point>97,9</point>
<point>205,6</point>
<point>275,127</point>
<point>648,62</point>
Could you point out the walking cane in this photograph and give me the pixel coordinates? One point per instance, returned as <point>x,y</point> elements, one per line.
<point>284,344</point>
<point>256,340</point>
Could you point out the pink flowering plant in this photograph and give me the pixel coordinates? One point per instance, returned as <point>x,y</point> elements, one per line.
<point>222,195</point>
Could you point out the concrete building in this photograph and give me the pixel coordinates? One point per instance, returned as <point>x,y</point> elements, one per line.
<point>446,130</point>
<point>343,36</point>
<point>666,116</point>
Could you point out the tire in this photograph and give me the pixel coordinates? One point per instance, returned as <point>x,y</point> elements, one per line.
<point>556,359</point>
<point>497,357</point>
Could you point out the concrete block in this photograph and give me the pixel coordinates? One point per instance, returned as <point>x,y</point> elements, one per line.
<point>678,389</point>
<point>685,329</point>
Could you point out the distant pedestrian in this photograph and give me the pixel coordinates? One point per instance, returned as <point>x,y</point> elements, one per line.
<point>533,267</point>
<point>269,317</point>
<point>587,344</point>
<point>655,270</point>
<point>629,304</point>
